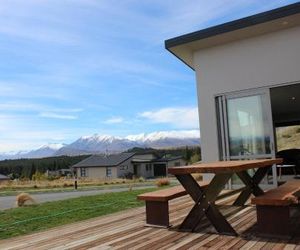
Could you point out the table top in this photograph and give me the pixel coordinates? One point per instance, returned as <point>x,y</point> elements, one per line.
<point>224,166</point>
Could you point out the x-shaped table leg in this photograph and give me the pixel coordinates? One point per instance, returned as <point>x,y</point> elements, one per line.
<point>204,199</point>
<point>251,184</point>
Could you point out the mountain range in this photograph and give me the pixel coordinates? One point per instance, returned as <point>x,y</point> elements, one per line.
<point>96,144</point>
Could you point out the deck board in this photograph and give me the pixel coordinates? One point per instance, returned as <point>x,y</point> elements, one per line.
<point>126,230</point>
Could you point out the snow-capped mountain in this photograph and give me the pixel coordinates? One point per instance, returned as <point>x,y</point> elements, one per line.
<point>97,144</point>
<point>44,151</point>
<point>112,144</point>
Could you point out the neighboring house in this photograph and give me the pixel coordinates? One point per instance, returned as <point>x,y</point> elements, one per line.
<point>3,178</point>
<point>150,165</point>
<point>146,165</point>
<point>248,82</point>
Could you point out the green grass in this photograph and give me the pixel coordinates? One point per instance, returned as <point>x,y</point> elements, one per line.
<point>24,220</point>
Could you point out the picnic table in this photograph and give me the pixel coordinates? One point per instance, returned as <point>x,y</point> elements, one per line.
<point>204,198</point>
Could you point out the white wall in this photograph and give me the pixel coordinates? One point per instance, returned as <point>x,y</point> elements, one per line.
<point>260,61</point>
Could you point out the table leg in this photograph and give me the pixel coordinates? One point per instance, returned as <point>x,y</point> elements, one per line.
<point>280,173</point>
<point>204,199</point>
<point>251,185</point>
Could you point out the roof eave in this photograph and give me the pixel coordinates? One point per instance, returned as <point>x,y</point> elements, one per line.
<point>182,42</point>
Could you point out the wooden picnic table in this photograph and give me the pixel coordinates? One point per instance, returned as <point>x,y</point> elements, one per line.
<point>205,197</point>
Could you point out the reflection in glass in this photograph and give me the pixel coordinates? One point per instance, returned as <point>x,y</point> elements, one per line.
<point>248,131</point>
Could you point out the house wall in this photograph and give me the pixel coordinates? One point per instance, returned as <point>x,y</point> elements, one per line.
<point>256,62</point>
<point>144,172</point>
<point>4,180</point>
<point>98,172</point>
<point>144,157</point>
<point>173,163</point>
<point>121,172</point>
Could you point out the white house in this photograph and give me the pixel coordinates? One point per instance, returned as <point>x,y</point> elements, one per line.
<point>248,82</point>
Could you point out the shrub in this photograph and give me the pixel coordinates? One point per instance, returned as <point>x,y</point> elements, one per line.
<point>162,182</point>
<point>39,177</point>
<point>141,179</point>
<point>198,177</point>
<point>286,136</point>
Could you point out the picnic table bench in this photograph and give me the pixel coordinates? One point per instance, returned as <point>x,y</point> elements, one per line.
<point>273,208</point>
<point>157,204</point>
<point>205,195</point>
<point>205,198</point>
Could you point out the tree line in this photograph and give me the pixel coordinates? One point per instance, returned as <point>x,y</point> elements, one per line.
<point>26,168</point>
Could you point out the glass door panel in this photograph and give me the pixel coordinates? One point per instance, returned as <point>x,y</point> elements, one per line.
<point>246,128</point>
<point>248,134</point>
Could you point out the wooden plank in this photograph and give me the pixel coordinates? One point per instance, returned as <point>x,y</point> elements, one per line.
<point>284,195</point>
<point>223,166</point>
<point>125,231</point>
<point>168,193</point>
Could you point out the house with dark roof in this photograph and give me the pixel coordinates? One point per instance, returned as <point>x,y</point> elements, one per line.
<point>248,82</point>
<point>3,178</point>
<point>147,165</point>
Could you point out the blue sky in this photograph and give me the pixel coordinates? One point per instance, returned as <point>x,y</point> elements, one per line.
<point>78,67</point>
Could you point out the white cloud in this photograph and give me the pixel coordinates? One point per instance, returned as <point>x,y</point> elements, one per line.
<point>58,116</point>
<point>179,117</point>
<point>114,120</point>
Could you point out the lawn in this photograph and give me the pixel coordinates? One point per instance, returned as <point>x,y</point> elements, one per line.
<point>24,220</point>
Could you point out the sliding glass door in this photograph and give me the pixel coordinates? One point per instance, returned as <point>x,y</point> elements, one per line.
<point>245,126</point>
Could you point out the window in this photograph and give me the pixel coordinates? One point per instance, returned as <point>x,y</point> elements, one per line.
<point>177,164</point>
<point>148,167</point>
<point>123,167</point>
<point>83,172</point>
<point>108,172</point>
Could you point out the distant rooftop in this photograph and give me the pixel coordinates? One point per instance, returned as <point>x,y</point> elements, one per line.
<point>104,160</point>
<point>3,177</point>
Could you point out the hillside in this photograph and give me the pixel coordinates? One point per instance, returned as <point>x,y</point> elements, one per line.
<point>288,137</point>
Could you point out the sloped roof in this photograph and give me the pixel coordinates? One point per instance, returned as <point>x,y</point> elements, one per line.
<point>104,160</point>
<point>3,177</point>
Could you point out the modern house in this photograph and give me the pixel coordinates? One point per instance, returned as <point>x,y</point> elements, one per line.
<point>147,165</point>
<point>248,82</point>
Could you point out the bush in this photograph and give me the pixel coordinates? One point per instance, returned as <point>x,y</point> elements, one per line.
<point>141,179</point>
<point>162,182</point>
<point>39,176</point>
<point>128,175</point>
<point>198,177</point>
<point>286,136</point>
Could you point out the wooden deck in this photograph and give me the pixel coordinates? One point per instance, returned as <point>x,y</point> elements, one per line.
<point>126,230</point>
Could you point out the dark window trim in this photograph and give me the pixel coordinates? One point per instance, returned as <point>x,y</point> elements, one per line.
<point>245,22</point>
